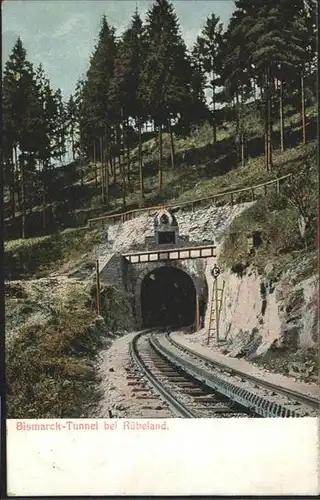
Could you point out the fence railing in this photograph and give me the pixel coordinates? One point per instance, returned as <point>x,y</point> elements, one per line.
<point>230,195</point>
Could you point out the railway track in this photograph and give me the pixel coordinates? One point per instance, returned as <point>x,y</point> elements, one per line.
<point>184,395</point>
<point>194,386</point>
<point>284,402</point>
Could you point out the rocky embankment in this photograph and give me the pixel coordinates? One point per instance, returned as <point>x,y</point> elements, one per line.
<point>275,323</point>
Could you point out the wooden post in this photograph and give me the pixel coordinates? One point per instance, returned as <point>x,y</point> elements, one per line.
<point>278,187</point>
<point>265,189</point>
<point>197,313</point>
<point>98,286</point>
<point>231,199</point>
<point>252,194</point>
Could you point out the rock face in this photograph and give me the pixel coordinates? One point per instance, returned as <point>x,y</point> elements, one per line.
<point>258,315</point>
<point>201,225</point>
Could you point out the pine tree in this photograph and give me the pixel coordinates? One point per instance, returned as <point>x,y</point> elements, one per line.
<point>22,109</point>
<point>165,77</point>
<point>46,135</point>
<point>271,47</point>
<point>198,112</point>
<point>96,114</point>
<point>208,48</point>
<point>125,84</point>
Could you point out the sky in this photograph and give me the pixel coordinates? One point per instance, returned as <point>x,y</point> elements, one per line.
<point>61,34</point>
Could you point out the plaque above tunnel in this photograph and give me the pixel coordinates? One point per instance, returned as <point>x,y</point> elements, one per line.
<point>166,228</point>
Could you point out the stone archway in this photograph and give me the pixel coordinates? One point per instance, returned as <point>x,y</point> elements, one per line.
<point>168,298</point>
<point>199,283</point>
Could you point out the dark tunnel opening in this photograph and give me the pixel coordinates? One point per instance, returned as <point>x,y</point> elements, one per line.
<point>168,298</point>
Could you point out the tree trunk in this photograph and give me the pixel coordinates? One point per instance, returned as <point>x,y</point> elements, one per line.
<point>101,172</point>
<point>160,159</point>
<point>270,132</point>
<point>303,111</point>
<point>72,145</point>
<point>95,163</point>
<point>110,161</point>
<point>254,91</point>
<point>114,169</point>
<point>123,172</point>
<point>281,118</point>
<point>106,167</point>
<point>214,125</point>
<point>123,164</point>
<point>44,222</point>
<point>238,125</point>
<point>12,186</point>
<point>172,153</point>
<point>241,138</point>
<point>242,149</point>
<point>128,164</point>
<point>17,178</point>
<point>140,163</point>
<point>266,135</point>
<point>236,114</point>
<point>23,198</point>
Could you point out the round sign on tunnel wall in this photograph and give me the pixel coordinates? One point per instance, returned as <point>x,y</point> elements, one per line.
<point>215,271</point>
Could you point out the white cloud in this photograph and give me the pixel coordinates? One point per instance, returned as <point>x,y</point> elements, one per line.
<point>69,25</point>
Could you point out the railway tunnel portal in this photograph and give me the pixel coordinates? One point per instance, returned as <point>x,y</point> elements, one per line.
<point>165,276</point>
<point>168,298</point>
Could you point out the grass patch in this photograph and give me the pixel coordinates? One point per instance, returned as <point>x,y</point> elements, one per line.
<point>51,369</point>
<point>272,224</point>
<point>36,257</point>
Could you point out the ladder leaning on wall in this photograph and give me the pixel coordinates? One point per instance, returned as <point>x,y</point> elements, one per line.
<point>215,310</point>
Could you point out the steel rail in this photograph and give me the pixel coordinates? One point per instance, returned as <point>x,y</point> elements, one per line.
<point>178,408</point>
<point>302,398</point>
<point>252,401</point>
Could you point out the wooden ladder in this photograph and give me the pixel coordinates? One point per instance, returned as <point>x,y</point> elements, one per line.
<point>215,310</point>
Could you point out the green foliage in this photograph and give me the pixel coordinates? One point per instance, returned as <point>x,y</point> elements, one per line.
<point>51,368</point>
<point>95,112</point>
<point>208,51</point>
<point>40,255</point>
<point>146,76</point>
<point>277,218</point>
<point>165,75</point>
<point>60,381</point>
<point>302,194</point>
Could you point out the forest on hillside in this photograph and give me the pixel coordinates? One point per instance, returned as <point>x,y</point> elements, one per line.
<point>263,61</point>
